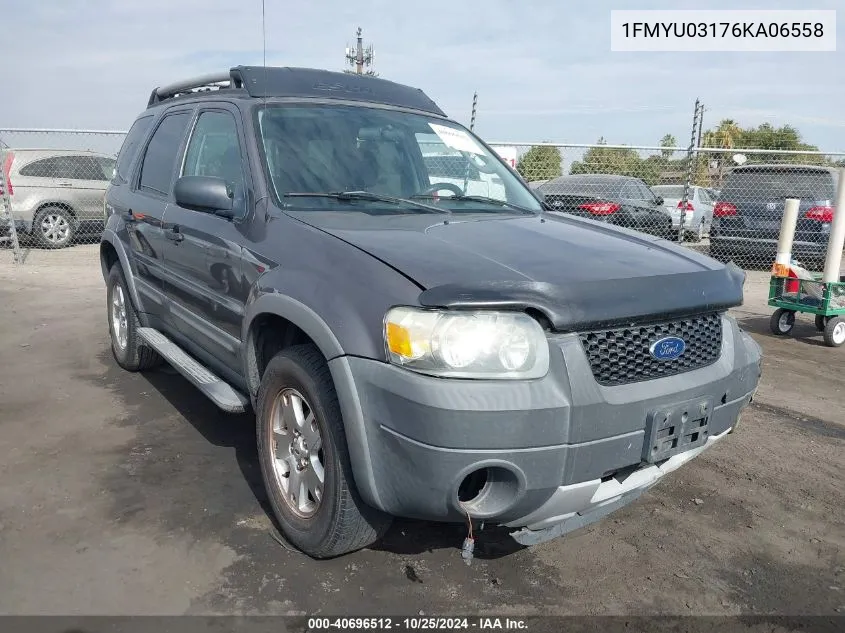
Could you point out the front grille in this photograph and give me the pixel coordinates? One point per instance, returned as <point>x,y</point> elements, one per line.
<point>622,355</point>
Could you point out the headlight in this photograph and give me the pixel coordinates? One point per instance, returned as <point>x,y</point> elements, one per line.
<point>466,344</point>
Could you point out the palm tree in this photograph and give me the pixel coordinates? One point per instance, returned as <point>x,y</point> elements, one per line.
<point>727,134</point>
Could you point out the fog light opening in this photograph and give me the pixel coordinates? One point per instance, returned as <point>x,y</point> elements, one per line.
<point>472,485</point>
<point>487,492</point>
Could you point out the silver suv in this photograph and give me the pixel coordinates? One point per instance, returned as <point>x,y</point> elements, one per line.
<point>57,195</point>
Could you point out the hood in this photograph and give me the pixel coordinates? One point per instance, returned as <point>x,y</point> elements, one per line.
<point>577,272</point>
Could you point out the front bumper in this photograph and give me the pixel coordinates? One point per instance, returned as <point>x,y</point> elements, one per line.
<point>556,453</point>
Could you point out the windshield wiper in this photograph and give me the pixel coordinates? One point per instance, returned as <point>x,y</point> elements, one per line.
<point>367,195</point>
<point>484,199</point>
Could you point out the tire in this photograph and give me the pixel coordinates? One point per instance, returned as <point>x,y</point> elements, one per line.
<point>821,321</point>
<point>126,346</point>
<point>834,332</point>
<point>329,519</point>
<point>54,227</point>
<point>782,322</point>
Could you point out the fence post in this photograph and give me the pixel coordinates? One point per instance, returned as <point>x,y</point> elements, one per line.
<point>6,209</point>
<point>690,163</point>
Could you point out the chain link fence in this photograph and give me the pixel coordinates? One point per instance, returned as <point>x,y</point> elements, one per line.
<point>725,203</point>
<point>52,186</point>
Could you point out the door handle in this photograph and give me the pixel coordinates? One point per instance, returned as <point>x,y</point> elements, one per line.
<point>174,234</point>
<point>64,184</point>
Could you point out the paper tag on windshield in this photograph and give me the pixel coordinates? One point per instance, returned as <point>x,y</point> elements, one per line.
<point>456,139</point>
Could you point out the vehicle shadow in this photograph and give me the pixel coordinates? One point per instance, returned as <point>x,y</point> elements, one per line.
<point>409,537</point>
<point>229,430</point>
<point>237,431</point>
<point>804,329</point>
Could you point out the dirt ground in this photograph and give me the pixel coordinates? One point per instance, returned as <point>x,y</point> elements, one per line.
<point>131,494</point>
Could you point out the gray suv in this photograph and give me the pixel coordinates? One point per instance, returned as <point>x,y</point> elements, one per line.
<point>408,348</point>
<point>56,195</point>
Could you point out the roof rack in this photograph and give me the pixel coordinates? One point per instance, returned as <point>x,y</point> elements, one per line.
<point>203,83</point>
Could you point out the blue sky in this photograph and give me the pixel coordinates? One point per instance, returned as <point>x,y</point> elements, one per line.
<point>543,69</point>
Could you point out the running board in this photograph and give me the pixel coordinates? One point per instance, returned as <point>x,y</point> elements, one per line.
<point>219,392</point>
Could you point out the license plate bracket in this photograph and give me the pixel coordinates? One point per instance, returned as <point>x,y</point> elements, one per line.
<point>677,428</point>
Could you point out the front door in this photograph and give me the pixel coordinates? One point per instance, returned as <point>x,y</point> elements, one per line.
<point>205,285</point>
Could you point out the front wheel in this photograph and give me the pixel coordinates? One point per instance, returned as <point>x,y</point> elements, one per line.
<point>834,332</point>
<point>304,458</point>
<point>782,322</point>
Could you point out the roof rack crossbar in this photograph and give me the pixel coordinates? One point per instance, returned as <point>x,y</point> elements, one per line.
<point>228,79</point>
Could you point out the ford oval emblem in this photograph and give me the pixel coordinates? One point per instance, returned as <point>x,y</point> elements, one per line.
<point>667,348</point>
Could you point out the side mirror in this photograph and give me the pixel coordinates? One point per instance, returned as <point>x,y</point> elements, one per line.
<point>204,193</point>
<point>659,200</point>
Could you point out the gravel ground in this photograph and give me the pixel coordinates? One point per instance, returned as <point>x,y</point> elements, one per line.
<point>131,494</point>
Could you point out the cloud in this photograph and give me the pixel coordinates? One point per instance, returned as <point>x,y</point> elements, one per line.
<point>542,70</point>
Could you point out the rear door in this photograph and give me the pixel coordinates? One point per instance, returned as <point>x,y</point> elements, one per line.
<point>759,195</point>
<point>142,208</point>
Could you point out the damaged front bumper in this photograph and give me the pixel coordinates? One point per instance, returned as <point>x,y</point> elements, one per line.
<point>573,507</point>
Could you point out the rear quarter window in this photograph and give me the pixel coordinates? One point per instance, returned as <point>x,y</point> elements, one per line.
<point>44,168</point>
<point>130,146</point>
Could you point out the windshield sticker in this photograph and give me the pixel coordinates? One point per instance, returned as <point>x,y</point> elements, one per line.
<point>456,139</point>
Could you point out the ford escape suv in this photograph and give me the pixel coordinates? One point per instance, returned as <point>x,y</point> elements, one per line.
<point>409,349</point>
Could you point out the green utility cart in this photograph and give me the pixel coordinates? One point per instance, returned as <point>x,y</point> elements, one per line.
<point>824,299</point>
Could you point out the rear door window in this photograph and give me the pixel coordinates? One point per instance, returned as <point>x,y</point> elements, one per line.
<point>159,163</point>
<point>777,184</point>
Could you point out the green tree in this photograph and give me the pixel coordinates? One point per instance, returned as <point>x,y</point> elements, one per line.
<point>541,162</point>
<point>621,161</point>
<point>668,141</point>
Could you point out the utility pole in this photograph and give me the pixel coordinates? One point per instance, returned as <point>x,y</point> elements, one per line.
<point>359,57</point>
<point>691,154</point>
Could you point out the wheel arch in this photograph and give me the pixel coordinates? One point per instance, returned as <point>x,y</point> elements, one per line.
<point>273,322</point>
<point>111,252</point>
<point>61,204</point>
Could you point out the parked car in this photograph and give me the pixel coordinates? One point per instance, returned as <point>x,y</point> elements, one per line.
<point>748,214</point>
<point>57,195</point>
<point>448,358</point>
<point>699,208</point>
<point>620,200</point>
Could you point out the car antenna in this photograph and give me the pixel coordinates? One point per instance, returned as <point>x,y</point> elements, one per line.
<point>264,49</point>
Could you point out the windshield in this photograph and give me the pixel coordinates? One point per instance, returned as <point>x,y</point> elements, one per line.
<point>330,149</point>
<point>671,191</point>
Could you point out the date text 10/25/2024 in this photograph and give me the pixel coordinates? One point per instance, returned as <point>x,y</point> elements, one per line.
<point>421,623</point>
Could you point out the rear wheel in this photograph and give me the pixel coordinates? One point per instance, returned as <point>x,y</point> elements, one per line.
<point>834,332</point>
<point>54,227</point>
<point>782,322</point>
<point>304,459</point>
<point>126,345</point>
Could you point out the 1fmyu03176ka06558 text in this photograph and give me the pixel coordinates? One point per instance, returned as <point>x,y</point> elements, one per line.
<point>726,31</point>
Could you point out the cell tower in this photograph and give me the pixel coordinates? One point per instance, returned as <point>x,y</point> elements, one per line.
<point>359,58</point>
